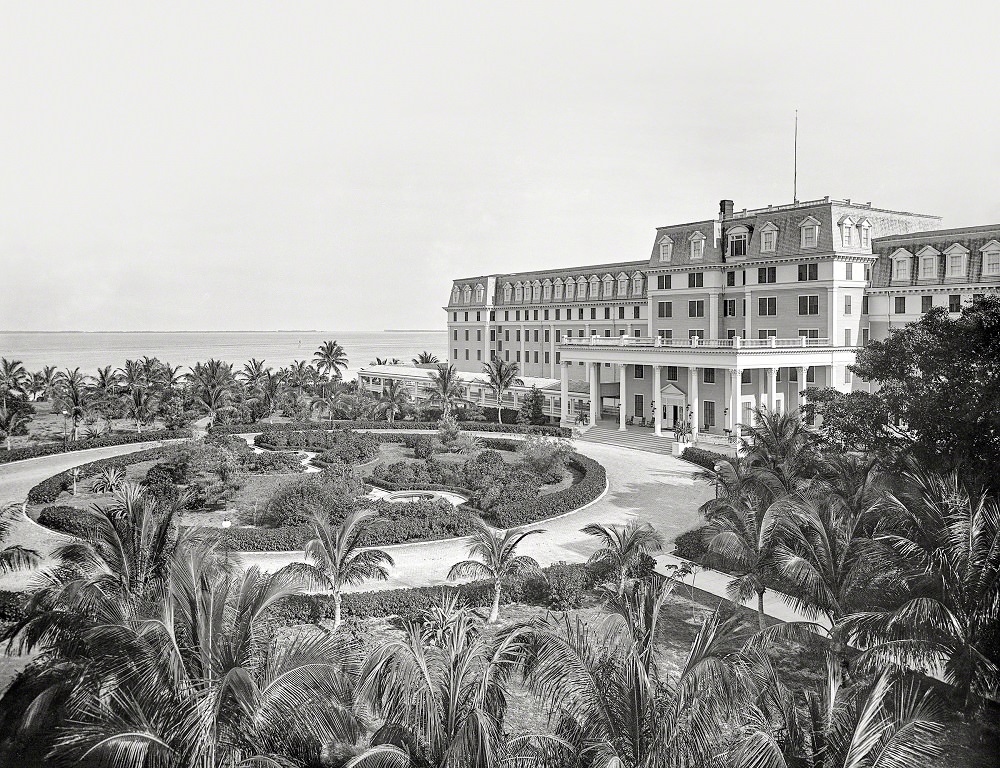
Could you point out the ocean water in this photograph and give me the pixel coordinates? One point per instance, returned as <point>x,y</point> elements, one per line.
<point>90,351</point>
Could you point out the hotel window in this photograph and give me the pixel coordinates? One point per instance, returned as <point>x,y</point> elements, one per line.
<point>767,333</point>
<point>493,334</point>
<point>847,337</point>
<point>546,358</point>
<point>570,289</point>
<point>809,233</point>
<point>809,333</point>
<point>454,335</point>
<point>767,275</point>
<point>696,280</point>
<point>466,334</point>
<point>518,353</point>
<point>697,246</point>
<point>665,333</point>
<point>671,373</point>
<point>955,303</point>
<point>729,308</point>
<point>546,337</point>
<point>557,358</point>
<point>637,285</point>
<point>847,305</point>
<point>579,314</point>
<point>536,337</point>
<point>466,317</point>
<point>454,317</point>
<point>696,333</point>
<point>928,267</point>
<point>558,285</point>
<point>454,354</point>
<point>622,285</point>
<point>518,337</point>
<point>901,269</point>
<point>506,355</point>
<point>848,271</point>
<point>607,313</point>
<point>808,272</point>
<point>558,335</point>
<point>557,314</point>
<point>730,279</point>
<point>847,375</point>
<point>991,259</point>
<point>767,307</point>
<point>581,289</point>
<point>454,295</point>
<point>637,333</point>
<point>546,290</point>
<point>637,371</point>
<point>536,291</point>
<point>593,313</point>
<point>480,292</point>
<point>768,238</point>
<point>506,335</point>
<point>865,332</point>
<point>466,354</point>
<point>811,374</point>
<point>709,375</point>
<point>738,243</point>
<point>635,313</point>
<point>545,315</point>
<point>899,305</point>
<point>864,305</point>
<point>518,292</point>
<point>608,283</point>
<point>696,309</point>
<point>731,333</point>
<point>607,333</point>
<point>848,234</point>
<point>926,302</point>
<point>956,264</point>
<point>536,355</point>
<point>708,407</point>
<point>866,234</point>
<point>666,248</point>
<point>664,309</point>
<point>621,313</point>
<point>662,282</point>
<point>746,377</point>
<point>595,287</point>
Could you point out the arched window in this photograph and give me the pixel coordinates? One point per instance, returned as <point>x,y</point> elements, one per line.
<point>737,241</point>
<point>558,285</point>
<point>507,290</point>
<point>467,294</point>
<point>666,248</point>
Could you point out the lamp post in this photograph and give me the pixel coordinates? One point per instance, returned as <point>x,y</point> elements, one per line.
<point>65,415</point>
<point>717,468</point>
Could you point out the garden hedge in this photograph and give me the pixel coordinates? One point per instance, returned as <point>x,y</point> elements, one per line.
<point>126,438</point>
<point>65,519</point>
<point>432,426</point>
<point>49,489</point>
<point>12,605</point>
<point>703,458</point>
<point>590,486</point>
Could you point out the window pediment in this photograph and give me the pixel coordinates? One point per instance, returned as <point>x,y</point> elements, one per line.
<point>928,251</point>
<point>696,236</point>
<point>990,247</point>
<point>809,221</point>
<point>956,250</point>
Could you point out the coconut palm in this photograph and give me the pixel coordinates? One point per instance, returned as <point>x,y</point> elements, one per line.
<point>106,382</point>
<point>213,384</point>
<point>11,420</point>
<point>740,520</point>
<point>781,447</point>
<point>47,379</point>
<point>945,546</point>
<point>337,559</point>
<point>332,398</point>
<point>888,722</point>
<point>300,377</point>
<point>623,546</point>
<point>331,359</point>
<point>394,400</point>
<point>270,392</point>
<point>426,358</point>
<point>445,389</point>
<point>606,695</point>
<point>74,399</point>
<point>140,406</point>
<point>502,376</point>
<point>13,379</point>
<point>442,696</point>
<point>380,361</point>
<point>497,561</point>
<point>253,373</point>
<point>14,557</point>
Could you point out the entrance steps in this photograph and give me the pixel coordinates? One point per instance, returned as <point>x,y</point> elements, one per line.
<point>637,438</point>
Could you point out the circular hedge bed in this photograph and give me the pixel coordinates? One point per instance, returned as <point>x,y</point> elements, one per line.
<point>332,447</point>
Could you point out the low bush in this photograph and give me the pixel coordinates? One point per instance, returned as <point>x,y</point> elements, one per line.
<point>105,441</point>
<point>297,502</point>
<point>422,445</point>
<point>421,520</point>
<point>72,521</point>
<point>12,605</point>
<point>693,545</point>
<point>566,585</point>
<point>430,426</point>
<point>274,462</point>
<point>703,458</point>
<point>285,539</point>
<point>591,485</point>
<point>49,489</point>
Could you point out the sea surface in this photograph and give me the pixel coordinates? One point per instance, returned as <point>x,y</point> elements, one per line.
<point>92,350</point>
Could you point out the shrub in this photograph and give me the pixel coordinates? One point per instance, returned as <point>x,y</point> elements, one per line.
<point>566,585</point>
<point>49,489</point>
<point>108,480</point>
<point>426,519</point>
<point>69,520</point>
<point>545,457</point>
<point>476,426</point>
<point>123,438</point>
<point>692,545</point>
<point>591,485</point>
<point>703,458</point>
<point>277,462</point>
<point>285,539</point>
<point>12,605</point>
<point>423,446</point>
<point>328,492</point>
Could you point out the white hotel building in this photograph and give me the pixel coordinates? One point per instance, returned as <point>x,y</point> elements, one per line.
<point>746,309</point>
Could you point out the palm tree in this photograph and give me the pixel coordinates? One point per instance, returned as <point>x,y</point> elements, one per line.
<point>74,397</point>
<point>47,379</point>
<point>426,358</point>
<point>333,398</point>
<point>739,529</point>
<point>502,376</point>
<point>106,382</point>
<point>213,383</point>
<point>270,392</point>
<point>445,388</point>
<point>782,447</point>
<point>623,546</point>
<point>394,400</point>
<point>889,722</point>
<point>337,559</point>
<point>140,406</point>
<point>496,561</point>
<point>14,557</point>
<point>442,697</point>
<point>331,359</point>
<point>13,379</point>
<point>379,361</point>
<point>10,421</point>
<point>945,544</point>
<point>253,373</point>
<point>607,698</point>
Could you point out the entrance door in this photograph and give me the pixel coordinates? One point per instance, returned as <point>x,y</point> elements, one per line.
<point>639,412</point>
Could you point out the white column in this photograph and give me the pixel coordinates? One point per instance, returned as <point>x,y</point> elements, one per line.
<point>622,396</point>
<point>801,387</point>
<point>735,400</point>
<point>657,405</point>
<point>595,391</point>
<point>564,393</point>
<point>772,385</point>
<point>693,400</point>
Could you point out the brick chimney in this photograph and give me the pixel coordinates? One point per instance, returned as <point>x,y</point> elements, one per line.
<point>725,209</point>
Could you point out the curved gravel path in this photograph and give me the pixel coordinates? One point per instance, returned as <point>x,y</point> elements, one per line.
<point>647,486</point>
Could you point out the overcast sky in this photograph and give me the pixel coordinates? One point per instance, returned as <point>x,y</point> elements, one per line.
<point>333,165</point>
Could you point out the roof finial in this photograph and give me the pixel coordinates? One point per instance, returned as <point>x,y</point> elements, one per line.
<point>795,161</point>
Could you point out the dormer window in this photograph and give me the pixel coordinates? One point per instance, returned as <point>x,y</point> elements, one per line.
<point>865,230</point>
<point>518,292</point>
<point>480,293</point>
<point>738,237</point>
<point>901,261</point>
<point>927,258</point>
<point>991,259</point>
<point>768,238</point>
<point>666,249</point>
<point>622,285</point>
<point>455,293</point>
<point>547,290</point>
<point>557,289</point>
<point>697,241</point>
<point>536,291</point>
<point>809,232</point>
<point>608,283</point>
<point>570,288</point>
<point>956,261</point>
<point>847,231</point>
<point>595,287</point>
<point>467,294</point>
<point>637,284</point>
<point>581,288</point>
<point>507,290</point>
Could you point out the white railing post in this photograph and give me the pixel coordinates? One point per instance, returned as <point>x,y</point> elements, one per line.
<point>772,341</point>
<point>803,340</point>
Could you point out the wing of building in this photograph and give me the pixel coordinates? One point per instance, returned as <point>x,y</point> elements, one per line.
<point>744,309</point>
